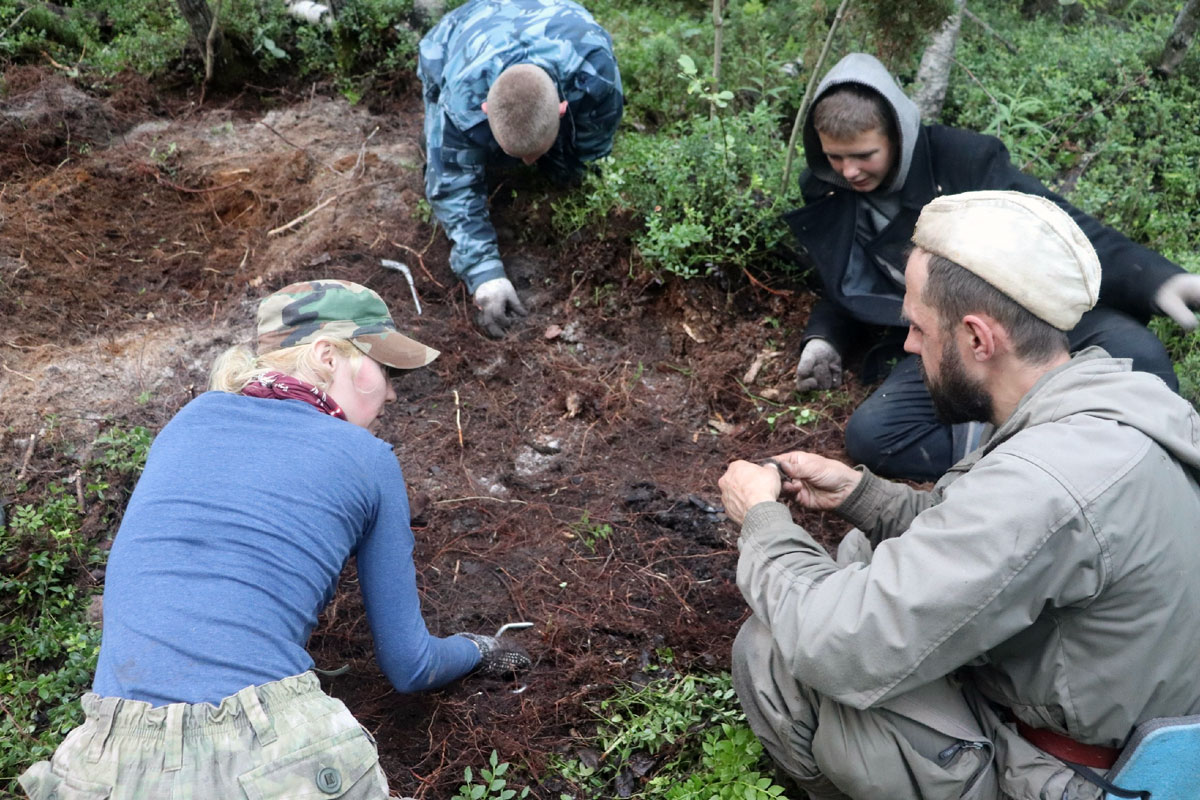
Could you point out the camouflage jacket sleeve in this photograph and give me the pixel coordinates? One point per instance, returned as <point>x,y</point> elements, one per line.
<point>455,185</point>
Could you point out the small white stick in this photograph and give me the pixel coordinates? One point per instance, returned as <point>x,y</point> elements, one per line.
<point>396,265</point>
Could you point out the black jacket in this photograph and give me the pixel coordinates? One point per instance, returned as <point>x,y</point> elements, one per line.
<point>945,161</point>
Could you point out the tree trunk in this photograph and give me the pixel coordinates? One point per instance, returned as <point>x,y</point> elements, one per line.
<point>222,66</point>
<point>933,76</point>
<point>200,20</point>
<point>1181,37</point>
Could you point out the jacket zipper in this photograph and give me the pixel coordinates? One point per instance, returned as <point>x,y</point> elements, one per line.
<point>951,752</point>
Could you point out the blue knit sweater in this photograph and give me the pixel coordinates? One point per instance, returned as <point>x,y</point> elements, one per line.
<point>233,542</point>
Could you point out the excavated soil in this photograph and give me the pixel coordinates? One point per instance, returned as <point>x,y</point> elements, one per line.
<point>564,476</point>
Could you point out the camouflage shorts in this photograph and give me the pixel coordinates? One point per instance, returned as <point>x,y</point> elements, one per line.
<point>285,739</point>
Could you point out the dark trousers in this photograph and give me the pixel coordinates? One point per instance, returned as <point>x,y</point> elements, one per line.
<point>895,432</point>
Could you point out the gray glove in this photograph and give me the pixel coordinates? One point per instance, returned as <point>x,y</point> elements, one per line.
<point>499,306</point>
<point>499,658</point>
<point>820,367</point>
<point>1179,298</point>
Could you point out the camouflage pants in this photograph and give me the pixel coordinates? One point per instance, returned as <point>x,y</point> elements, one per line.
<point>285,739</point>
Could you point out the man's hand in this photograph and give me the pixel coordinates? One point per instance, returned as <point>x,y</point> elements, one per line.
<point>745,485</point>
<point>499,306</point>
<point>1179,298</point>
<point>499,658</point>
<point>817,482</point>
<point>820,367</point>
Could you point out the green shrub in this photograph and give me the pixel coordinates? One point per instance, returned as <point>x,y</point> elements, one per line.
<point>1080,101</point>
<point>369,38</point>
<point>762,42</point>
<point>692,728</point>
<point>50,648</point>
<point>703,191</point>
<point>492,783</point>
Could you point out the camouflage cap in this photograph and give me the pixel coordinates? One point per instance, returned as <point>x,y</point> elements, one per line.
<point>306,311</point>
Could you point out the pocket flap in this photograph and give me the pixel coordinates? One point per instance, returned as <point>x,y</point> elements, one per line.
<point>41,782</point>
<point>326,769</point>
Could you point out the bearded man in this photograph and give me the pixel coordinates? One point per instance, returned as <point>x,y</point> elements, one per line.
<point>1001,635</point>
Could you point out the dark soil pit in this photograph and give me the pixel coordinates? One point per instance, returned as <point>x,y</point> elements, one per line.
<point>565,476</point>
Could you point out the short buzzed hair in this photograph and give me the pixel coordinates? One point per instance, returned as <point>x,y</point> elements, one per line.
<point>523,110</point>
<point>954,292</point>
<point>850,110</point>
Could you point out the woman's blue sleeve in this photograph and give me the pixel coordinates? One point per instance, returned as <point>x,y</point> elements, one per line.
<point>411,658</point>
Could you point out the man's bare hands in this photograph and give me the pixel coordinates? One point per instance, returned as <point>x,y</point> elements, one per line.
<point>817,482</point>
<point>745,485</point>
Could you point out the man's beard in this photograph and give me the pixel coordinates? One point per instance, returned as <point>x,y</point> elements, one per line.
<point>957,398</point>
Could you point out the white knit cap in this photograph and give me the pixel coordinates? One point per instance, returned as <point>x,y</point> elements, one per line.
<point>1023,245</point>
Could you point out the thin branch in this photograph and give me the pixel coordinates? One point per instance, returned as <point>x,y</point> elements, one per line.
<point>1012,48</point>
<point>803,110</point>
<point>325,202</point>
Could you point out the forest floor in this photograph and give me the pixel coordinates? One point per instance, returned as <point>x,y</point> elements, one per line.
<point>564,476</point>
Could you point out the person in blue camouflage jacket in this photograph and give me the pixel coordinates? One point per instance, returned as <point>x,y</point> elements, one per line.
<point>466,62</point>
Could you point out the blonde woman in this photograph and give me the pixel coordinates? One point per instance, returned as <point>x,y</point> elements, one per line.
<point>253,498</point>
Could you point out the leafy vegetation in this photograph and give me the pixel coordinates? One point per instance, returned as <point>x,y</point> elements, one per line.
<point>370,39</point>
<point>492,784</point>
<point>703,188</point>
<point>50,646</point>
<point>680,737</point>
<point>1079,107</point>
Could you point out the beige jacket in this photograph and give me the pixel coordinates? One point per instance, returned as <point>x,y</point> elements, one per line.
<point>1058,567</point>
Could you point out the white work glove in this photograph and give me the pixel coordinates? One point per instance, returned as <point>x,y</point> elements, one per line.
<point>499,307</point>
<point>820,367</point>
<point>1179,298</point>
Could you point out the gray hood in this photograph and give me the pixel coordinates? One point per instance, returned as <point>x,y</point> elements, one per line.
<point>1096,385</point>
<point>865,70</point>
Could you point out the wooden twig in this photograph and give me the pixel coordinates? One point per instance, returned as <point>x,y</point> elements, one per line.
<point>420,260</point>
<point>33,437</point>
<point>303,216</point>
<point>1012,48</point>
<point>458,418</point>
<point>480,497</point>
<point>7,368</point>
<point>78,478</point>
<point>326,202</point>
<point>718,36</point>
<point>172,185</point>
<point>756,282</point>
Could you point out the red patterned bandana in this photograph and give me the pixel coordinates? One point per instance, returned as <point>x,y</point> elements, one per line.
<point>285,387</point>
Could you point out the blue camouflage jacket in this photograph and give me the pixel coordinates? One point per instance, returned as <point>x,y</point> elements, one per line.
<point>459,59</point>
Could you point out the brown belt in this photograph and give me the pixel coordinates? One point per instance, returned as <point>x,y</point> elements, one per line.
<point>1067,749</point>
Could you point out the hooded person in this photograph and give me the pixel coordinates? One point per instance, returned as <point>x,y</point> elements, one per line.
<point>1001,635</point>
<point>253,498</point>
<point>872,167</point>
